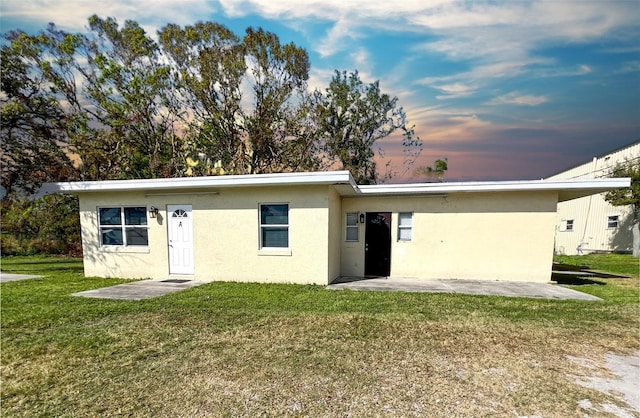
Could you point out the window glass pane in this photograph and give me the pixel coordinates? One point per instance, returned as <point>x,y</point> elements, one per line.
<point>274,214</point>
<point>404,234</point>
<point>275,237</point>
<point>111,236</point>
<point>352,233</point>
<point>137,236</point>
<point>109,216</point>
<point>404,219</point>
<point>612,222</point>
<point>179,214</point>
<point>135,216</point>
<point>352,219</point>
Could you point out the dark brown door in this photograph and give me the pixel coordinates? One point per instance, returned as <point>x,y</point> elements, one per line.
<point>377,244</point>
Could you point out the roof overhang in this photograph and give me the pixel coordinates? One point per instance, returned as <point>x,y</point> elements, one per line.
<point>203,183</point>
<point>343,183</point>
<point>566,189</point>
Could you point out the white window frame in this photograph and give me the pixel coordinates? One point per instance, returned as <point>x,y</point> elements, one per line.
<point>355,226</point>
<point>261,226</point>
<point>405,227</point>
<point>123,226</point>
<point>611,220</point>
<point>568,225</point>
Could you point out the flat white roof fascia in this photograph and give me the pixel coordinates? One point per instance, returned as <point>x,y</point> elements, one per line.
<point>276,179</point>
<point>602,184</point>
<point>567,188</point>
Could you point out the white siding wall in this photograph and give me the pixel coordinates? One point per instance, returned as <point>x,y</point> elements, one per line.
<point>590,214</point>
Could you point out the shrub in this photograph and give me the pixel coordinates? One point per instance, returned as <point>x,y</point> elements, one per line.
<point>49,225</point>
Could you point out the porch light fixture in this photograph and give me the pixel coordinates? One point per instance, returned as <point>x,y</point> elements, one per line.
<point>153,212</point>
<point>362,218</point>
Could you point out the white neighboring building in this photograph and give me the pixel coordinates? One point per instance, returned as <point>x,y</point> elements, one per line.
<point>590,224</point>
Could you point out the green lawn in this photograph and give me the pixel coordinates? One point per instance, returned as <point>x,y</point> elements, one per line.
<point>231,349</point>
<point>612,263</point>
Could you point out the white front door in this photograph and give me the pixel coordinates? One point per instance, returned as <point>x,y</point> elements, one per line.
<point>180,239</point>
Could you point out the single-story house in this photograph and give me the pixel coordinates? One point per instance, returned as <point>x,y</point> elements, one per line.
<point>315,227</point>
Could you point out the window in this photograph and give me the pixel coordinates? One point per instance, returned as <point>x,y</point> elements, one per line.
<point>612,221</point>
<point>352,226</point>
<point>569,226</point>
<point>405,226</point>
<point>274,226</point>
<point>124,226</point>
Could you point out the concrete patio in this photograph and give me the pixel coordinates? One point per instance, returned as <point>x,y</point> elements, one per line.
<point>12,277</point>
<point>467,287</point>
<point>144,289</point>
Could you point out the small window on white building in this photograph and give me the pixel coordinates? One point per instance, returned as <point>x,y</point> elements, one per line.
<point>274,225</point>
<point>612,222</point>
<point>123,226</point>
<point>569,225</point>
<point>353,230</point>
<point>405,226</point>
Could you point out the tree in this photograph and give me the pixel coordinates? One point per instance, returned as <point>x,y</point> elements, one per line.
<point>131,91</point>
<point>629,196</point>
<point>88,106</point>
<point>208,67</point>
<point>245,98</point>
<point>279,75</point>
<point>34,129</point>
<point>433,172</point>
<point>353,117</point>
<point>113,103</point>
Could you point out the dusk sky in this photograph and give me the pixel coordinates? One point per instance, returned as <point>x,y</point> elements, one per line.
<point>503,89</point>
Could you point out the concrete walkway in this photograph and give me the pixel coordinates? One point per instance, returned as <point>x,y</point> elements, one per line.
<point>12,277</point>
<point>468,287</point>
<point>144,289</point>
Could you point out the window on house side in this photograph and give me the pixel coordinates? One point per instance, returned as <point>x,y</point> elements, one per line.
<point>569,225</point>
<point>123,226</point>
<point>612,221</point>
<point>353,229</point>
<point>405,226</point>
<point>274,225</point>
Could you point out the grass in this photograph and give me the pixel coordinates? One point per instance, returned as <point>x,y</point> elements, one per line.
<point>232,349</point>
<point>612,263</point>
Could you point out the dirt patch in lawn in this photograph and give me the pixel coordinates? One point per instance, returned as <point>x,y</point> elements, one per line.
<point>617,376</point>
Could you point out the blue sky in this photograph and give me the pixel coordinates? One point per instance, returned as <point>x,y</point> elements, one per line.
<point>503,89</point>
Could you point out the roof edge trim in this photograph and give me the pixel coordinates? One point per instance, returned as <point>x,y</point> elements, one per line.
<point>275,179</point>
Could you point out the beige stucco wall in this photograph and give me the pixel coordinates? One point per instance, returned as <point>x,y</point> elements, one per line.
<point>226,236</point>
<point>335,231</point>
<point>490,236</point>
<point>130,262</point>
<point>229,224</point>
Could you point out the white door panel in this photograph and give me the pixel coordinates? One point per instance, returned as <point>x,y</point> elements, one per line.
<point>180,229</point>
